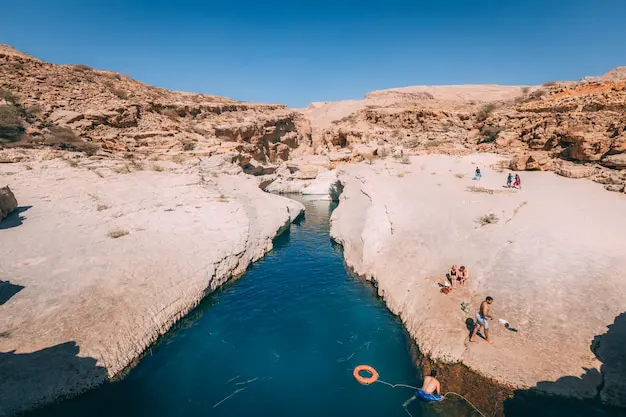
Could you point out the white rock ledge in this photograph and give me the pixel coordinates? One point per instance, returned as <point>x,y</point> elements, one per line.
<point>83,305</point>
<point>555,263</point>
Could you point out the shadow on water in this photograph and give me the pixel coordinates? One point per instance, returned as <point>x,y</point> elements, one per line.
<point>8,290</point>
<point>610,349</point>
<point>43,375</point>
<point>15,218</point>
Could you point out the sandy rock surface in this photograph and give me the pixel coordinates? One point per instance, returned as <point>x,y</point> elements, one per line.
<point>97,266</point>
<point>553,260</point>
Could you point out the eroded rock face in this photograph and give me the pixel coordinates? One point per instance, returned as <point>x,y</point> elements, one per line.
<point>8,203</point>
<point>404,225</point>
<point>128,286</point>
<point>116,114</point>
<point>537,126</point>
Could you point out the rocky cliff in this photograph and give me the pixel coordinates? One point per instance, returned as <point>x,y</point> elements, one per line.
<point>577,129</point>
<point>553,279</point>
<point>74,107</point>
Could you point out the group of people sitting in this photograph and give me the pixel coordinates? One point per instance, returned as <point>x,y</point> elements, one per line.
<point>458,276</point>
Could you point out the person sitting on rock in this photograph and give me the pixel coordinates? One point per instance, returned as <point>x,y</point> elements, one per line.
<point>453,275</point>
<point>509,180</point>
<point>481,320</point>
<point>477,174</point>
<point>463,275</point>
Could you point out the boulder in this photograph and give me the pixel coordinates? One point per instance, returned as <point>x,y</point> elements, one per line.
<point>65,116</point>
<point>619,144</point>
<point>8,203</point>
<point>589,147</point>
<point>307,172</point>
<point>322,185</point>
<point>532,162</point>
<point>575,171</point>
<point>618,188</point>
<point>617,161</point>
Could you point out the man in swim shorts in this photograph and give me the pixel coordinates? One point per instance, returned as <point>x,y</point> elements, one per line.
<point>481,320</point>
<point>430,391</point>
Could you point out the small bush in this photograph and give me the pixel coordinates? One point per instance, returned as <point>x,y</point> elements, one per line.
<point>64,138</point>
<point>170,114</point>
<point>549,84</point>
<point>11,128</point>
<point>120,93</point>
<point>157,168</point>
<point>460,176</point>
<point>485,111</point>
<point>7,96</point>
<point>178,159</point>
<point>525,90</point>
<point>102,207</point>
<point>82,67</point>
<point>490,133</point>
<point>537,94</point>
<point>114,234</point>
<point>487,219</point>
<point>189,146</point>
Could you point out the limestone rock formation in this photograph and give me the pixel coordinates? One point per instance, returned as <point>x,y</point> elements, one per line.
<point>139,250</point>
<point>566,121</point>
<point>109,113</point>
<point>8,203</point>
<point>402,227</point>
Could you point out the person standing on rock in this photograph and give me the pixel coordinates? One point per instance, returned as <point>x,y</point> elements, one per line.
<point>481,320</point>
<point>477,174</point>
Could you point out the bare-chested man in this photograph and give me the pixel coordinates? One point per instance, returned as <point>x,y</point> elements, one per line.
<point>481,320</point>
<point>430,391</point>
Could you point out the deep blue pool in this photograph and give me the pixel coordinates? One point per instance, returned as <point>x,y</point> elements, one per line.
<point>282,340</point>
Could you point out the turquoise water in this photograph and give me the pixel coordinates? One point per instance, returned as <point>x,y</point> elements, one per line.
<point>283,339</point>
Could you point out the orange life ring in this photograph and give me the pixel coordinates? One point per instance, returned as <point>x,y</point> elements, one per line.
<point>365,380</point>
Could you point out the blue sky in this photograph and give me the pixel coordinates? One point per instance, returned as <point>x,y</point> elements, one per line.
<point>299,51</point>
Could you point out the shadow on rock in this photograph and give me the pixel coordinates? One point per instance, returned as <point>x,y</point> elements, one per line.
<point>610,384</point>
<point>14,218</point>
<point>8,290</point>
<point>31,379</point>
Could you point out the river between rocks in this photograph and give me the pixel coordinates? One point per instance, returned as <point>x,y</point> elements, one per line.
<point>282,340</point>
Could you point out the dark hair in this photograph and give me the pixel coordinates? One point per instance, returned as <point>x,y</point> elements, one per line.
<point>489,299</point>
<point>433,373</point>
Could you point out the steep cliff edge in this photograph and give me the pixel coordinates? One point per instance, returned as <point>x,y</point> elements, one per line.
<point>552,261</point>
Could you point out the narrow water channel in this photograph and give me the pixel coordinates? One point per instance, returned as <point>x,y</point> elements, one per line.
<point>281,341</point>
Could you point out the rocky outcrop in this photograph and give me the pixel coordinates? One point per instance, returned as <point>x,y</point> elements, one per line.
<point>118,116</point>
<point>403,225</point>
<point>140,249</point>
<point>540,126</point>
<point>8,203</point>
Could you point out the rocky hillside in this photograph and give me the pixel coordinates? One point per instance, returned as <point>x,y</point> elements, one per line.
<point>74,107</point>
<point>577,129</point>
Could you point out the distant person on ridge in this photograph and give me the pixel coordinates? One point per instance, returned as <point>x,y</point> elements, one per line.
<point>481,320</point>
<point>477,174</point>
